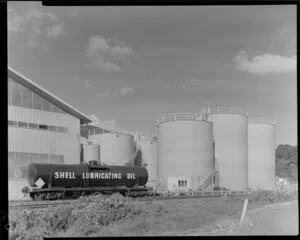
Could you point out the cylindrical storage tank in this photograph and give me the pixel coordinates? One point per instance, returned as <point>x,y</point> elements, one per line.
<point>116,148</point>
<point>91,153</point>
<point>185,150</point>
<point>230,132</point>
<point>261,154</point>
<point>148,156</point>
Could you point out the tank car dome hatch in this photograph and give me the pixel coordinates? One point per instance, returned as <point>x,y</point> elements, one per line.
<point>185,149</point>
<point>261,154</point>
<point>230,131</point>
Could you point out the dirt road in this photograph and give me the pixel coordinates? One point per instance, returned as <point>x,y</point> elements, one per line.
<point>275,219</point>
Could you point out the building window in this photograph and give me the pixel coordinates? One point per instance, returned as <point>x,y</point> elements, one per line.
<point>32,125</point>
<point>37,101</point>
<point>34,158</point>
<point>62,129</point>
<point>18,162</point>
<point>54,158</point>
<point>27,98</point>
<point>41,126</point>
<point>46,105</point>
<point>38,126</point>
<point>53,128</point>
<point>24,172</point>
<point>22,124</point>
<point>182,183</point>
<point>61,159</point>
<point>11,164</point>
<point>9,91</point>
<point>17,94</point>
<point>11,123</point>
<point>43,158</point>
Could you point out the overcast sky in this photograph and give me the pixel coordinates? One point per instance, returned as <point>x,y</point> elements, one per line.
<point>133,64</point>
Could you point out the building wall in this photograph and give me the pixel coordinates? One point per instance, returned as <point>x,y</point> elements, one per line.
<point>38,131</point>
<point>22,139</point>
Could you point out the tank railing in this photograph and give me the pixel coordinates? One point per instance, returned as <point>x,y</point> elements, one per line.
<point>224,110</point>
<point>96,131</point>
<point>144,136</point>
<point>203,192</point>
<point>183,116</point>
<point>261,121</point>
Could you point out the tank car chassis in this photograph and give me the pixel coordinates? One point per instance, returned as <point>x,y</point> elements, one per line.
<point>74,193</point>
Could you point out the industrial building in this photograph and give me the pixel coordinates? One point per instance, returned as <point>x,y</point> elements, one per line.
<point>42,128</point>
<point>215,147</point>
<point>261,154</point>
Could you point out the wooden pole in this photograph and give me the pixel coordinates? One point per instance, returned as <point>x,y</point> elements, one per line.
<point>244,210</point>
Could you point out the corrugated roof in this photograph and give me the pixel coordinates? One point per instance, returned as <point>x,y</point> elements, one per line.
<point>49,96</point>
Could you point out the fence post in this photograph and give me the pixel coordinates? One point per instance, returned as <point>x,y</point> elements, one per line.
<point>244,210</point>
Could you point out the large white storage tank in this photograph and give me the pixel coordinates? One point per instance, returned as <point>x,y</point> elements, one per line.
<point>116,148</point>
<point>261,154</point>
<point>185,150</point>
<point>147,156</point>
<point>230,131</point>
<point>91,152</point>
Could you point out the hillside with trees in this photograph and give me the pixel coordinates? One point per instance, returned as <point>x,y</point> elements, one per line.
<point>287,161</point>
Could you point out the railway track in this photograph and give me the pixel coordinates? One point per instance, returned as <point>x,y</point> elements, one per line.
<point>47,203</point>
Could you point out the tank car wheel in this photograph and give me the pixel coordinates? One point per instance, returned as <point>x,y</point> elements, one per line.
<point>40,197</point>
<point>75,195</point>
<point>32,196</point>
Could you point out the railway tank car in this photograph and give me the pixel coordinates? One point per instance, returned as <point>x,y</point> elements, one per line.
<point>56,181</point>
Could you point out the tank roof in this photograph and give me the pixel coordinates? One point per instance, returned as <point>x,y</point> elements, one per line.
<point>261,121</point>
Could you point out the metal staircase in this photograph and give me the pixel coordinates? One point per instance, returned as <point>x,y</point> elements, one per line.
<point>212,180</point>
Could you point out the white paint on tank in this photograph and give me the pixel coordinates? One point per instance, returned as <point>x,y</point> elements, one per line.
<point>230,133</point>
<point>91,153</point>
<point>149,157</point>
<point>185,147</point>
<point>116,148</point>
<point>261,155</point>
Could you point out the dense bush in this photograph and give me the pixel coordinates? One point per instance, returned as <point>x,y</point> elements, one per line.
<point>287,161</point>
<point>82,218</point>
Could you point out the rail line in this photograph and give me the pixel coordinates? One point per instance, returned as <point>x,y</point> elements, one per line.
<point>54,203</point>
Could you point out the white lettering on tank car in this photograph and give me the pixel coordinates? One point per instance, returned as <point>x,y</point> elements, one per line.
<point>101,175</point>
<point>130,176</point>
<point>64,175</point>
